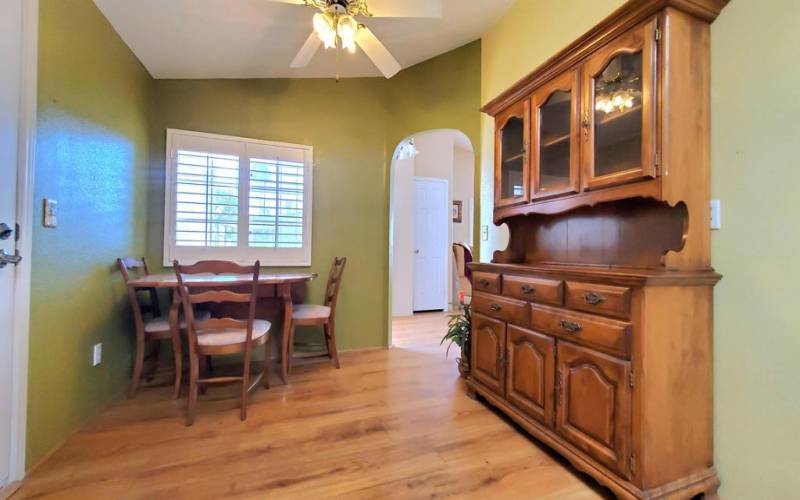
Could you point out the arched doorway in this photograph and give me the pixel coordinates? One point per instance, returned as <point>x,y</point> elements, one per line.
<point>438,163</point>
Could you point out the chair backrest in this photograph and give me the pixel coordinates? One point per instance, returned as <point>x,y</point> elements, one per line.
<point>334,283</point>
<point>131,265</point>
<point>197,294</point>
<point>463,255</point>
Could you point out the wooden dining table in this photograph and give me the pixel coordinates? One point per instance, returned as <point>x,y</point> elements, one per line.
<point>282,281</point>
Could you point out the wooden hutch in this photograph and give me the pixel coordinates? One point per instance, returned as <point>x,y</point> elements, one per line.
<point>593,329</point>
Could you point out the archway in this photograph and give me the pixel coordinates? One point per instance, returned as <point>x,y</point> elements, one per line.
<point>445,155</point>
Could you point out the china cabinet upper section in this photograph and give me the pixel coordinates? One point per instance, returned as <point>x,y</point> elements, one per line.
<point>620,113</point>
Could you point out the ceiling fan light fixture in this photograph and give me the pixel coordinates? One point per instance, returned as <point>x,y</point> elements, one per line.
<point>323,25</point>
<point>347,27</point>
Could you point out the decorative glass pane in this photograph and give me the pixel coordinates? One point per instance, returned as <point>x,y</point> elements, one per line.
<point>512,142</point>
<point>554,141</point>
<point>618,115</point>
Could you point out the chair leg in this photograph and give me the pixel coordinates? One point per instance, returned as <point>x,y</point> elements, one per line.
<point>290,347</point>
<point>138,363</point>
<point>267,361</point>
<point>193,376</point>
<point>330,338</point>
<point>177,350</point>
<point>177,354</point>
<point>245,383</point>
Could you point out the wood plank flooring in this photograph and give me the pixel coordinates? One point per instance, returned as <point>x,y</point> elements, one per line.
<point>390,424</point>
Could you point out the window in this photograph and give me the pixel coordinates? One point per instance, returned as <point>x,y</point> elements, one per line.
<point>237,199</point>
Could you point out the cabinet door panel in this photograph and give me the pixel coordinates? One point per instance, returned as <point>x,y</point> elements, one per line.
<point>555,117</point>
<point>511,177</point>
<point>488,341</point>
<point>530,373</point>
<point>594,410</point>
<point>620,110</point>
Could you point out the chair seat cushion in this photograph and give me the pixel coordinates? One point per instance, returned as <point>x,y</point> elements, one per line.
<point>310,311</point>
<point>232,336</point>
<point>161,323</point>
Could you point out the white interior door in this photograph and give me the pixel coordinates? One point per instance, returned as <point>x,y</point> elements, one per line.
<point>431,237</point>
<point>10,57</point>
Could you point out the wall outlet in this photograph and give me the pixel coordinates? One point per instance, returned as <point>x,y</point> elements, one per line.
<point>97,354</point>
<point>484,233</point>
<point>716,217</point>
<point>50,213</point>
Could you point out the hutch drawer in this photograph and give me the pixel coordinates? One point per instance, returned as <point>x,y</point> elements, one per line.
<point>604,334</point>
<point>534,289</point>
<point>513,311</point>
<point>600,299</point>
<point>486,282</point>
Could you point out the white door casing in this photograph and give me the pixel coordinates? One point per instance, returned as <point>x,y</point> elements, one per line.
<point>10,58</point>
<point>18,59</point>
<point>431,237</point>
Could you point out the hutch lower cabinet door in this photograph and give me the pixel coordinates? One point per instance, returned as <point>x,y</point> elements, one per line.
<point>488,348</point>
<point>530,373</point>
<point>594,411</point>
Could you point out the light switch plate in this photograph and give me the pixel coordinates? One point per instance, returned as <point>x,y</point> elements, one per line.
<point>716,217</point>
<point>97,354</point>
<point>50,213</point>
<point>484,233</point>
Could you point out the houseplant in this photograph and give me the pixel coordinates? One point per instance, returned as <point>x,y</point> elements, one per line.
<point>459,327</point>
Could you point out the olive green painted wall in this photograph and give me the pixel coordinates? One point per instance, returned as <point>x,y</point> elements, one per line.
<point>354,127</point>
<point>755,80</point>
<point>91,156</point>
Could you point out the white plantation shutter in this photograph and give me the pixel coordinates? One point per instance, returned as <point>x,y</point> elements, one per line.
<point>207,199</point>
<point>237,199</point>
<point>276,204</point>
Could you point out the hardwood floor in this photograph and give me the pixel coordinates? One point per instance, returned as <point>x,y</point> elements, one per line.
<point>390,424</point>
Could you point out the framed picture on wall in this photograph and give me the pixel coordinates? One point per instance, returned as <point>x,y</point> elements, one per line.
<point>457,210</point>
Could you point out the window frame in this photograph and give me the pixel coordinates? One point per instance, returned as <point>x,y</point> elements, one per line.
<point>243,253</point>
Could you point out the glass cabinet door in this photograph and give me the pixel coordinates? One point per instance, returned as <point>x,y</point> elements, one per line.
<point>619,122</point>
<point>556,145</point>
<point>511,155</point>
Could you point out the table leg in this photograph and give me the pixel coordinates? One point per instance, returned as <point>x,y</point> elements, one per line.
<point>286,295</point>
<point>175,333</point>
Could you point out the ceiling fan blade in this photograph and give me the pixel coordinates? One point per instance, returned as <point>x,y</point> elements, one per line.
<point>375,50</point>
<point>307,51</point>
<point>405,8</point>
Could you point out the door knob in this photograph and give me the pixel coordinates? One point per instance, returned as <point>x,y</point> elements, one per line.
<point>5,231</point>
<point>6,259</point>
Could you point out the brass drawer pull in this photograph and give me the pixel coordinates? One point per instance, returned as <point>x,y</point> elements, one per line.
<point>528,289</point>
<point>593,298</point>
<point>484,282</point>
<point>570,326</point>
<point>494,307</point>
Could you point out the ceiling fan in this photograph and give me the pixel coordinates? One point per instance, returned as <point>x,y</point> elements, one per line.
<point>336,27</point>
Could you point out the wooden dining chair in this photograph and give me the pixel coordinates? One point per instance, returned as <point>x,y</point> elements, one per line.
<point>150,325</point>
<point>222,336</point>
<point>320,315</point>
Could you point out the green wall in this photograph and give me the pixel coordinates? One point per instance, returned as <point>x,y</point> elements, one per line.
<point>100,153</point>
<point>354,127</point>
<point>755,80</point>
<point>754,131</point>
<point>91,156</point>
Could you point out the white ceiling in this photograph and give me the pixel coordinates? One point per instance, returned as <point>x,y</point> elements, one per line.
<point>259,38</point>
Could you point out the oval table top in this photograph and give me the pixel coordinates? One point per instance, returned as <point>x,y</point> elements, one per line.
<point>167,280</point>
